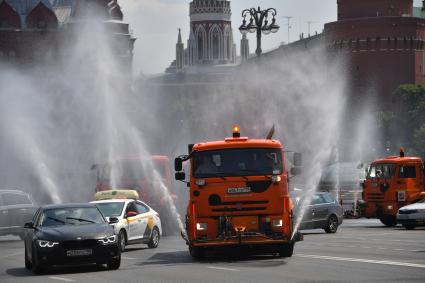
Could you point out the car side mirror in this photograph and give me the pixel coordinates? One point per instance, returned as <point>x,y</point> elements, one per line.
<point>180,176</point>
<point>295,171</point>
<point>129,214</point>
<point>114,220</point>
<point>29,225</point>
<point>178,164</point>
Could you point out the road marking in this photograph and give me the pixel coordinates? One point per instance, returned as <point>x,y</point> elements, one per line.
<point>222,268</point>
<point>61,279</point>
<point>361,260</point>
<point>5,256</point>
<point>131,258</point>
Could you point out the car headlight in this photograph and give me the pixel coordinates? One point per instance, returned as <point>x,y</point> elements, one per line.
<point>46,244</point>
<point>108,240</point>
<point>201,226</point>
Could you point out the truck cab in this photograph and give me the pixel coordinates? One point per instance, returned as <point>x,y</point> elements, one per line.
<point>238,196</point>
<point>391,183</point>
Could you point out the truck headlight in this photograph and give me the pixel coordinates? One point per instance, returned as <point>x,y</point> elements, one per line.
<point>276,178</point>
<point>46,244</point>
<point>389,207</point>
<point>108,240</point>
<point>201,226</point>
<point>277,222</point>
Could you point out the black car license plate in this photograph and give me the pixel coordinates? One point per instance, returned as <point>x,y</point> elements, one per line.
<point>79,252</point>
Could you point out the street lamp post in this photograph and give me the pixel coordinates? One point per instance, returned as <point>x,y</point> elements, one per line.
<point>259,23</point>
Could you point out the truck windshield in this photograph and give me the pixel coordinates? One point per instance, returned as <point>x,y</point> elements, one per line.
<point>237,162</point>
<point>385,171</point>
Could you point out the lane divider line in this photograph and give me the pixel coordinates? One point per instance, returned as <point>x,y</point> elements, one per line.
<point>361,260</point>
<point>61,279</point>
<point>9,255</point>
<point>130,258</point>
<point>223,268</point>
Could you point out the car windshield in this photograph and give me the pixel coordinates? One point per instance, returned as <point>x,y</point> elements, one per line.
<point>385,171</point>
<point>71,216</point>
<point>111,209</point>
<point>237,162</point>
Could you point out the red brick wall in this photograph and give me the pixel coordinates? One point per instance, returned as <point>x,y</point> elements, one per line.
<point>349,9</point>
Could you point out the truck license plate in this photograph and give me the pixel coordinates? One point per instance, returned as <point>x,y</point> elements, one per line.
<point>245,190</point>
<point>79,252</point>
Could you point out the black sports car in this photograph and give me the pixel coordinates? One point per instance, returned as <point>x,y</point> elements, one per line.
<point>70,234</point>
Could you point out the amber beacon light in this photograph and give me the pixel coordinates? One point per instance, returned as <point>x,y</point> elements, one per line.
<point>236,131</point>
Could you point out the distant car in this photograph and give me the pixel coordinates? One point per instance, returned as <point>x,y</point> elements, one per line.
<point>70,234</point>
<point>138,222</point>
<point>413,215</point>
<point>16,208</point>
<point>323,212</point>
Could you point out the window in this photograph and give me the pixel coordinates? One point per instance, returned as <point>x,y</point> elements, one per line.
<point>15,199</point>
<point>316,199</point>
<point>131,207</point>
<point>216,44</point>
<point>111,209</point>
<point>328,198</point>
<point>237,162</point>
<point>407,172</point>
<point>141,208</point>
<point>383,171</point>
<point>200,47</point>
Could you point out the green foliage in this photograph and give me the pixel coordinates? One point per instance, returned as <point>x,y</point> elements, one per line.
<point>404,125</point>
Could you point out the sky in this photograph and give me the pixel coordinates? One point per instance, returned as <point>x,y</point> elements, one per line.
<point>155,24</point>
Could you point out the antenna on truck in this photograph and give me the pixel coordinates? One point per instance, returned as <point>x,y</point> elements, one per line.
<point>271,133</point>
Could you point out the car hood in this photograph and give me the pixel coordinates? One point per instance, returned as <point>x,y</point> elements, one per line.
<point>80,232</point>
<point>413,206</point>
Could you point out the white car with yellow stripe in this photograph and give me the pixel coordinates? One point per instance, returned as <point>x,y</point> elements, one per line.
<point>138,223</point>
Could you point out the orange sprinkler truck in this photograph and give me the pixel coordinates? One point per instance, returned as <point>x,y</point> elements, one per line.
<point>239,196</point>
<point>391,183</point>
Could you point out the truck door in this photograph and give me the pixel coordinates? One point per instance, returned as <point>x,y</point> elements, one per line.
<point>408,181</point>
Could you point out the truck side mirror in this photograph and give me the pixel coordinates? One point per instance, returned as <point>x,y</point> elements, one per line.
<point>180,176</point>
<point>178,164</point>
<point>297,159</point>
<point>295,171</point>
<point>190,148</point>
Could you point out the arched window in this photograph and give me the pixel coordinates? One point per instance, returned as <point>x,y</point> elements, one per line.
<point>215,45</point>
<point>200,46</point>
<point>229,47</point>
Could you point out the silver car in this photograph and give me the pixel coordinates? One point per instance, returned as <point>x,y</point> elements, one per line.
<point>321,212</point>
<point>411,216</point>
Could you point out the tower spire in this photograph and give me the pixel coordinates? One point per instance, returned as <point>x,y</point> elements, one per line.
<point>179,39</point>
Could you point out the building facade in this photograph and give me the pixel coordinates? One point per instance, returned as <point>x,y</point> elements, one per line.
<point>36,30</point>
<point>383,41</point>
<point>211,36</point>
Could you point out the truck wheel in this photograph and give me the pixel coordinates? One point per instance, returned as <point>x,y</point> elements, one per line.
<point>332,225</point>
<point>197,252</point>
<point>388,220</point>
<point>154,240</point>
<point>286,250</point>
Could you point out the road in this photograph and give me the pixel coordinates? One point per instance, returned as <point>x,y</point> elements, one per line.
<point>361,251</point>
